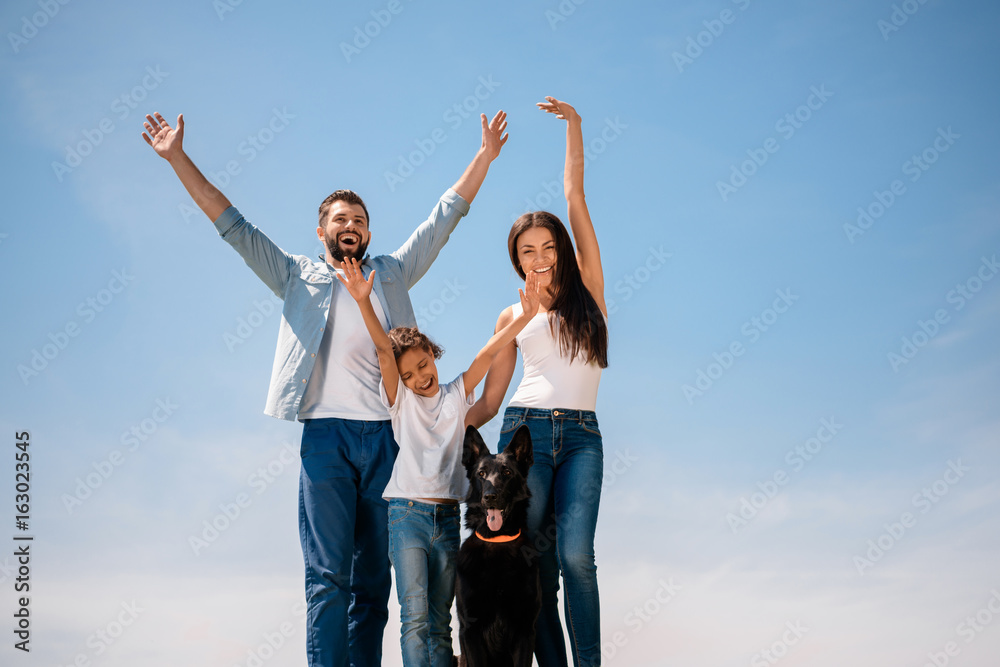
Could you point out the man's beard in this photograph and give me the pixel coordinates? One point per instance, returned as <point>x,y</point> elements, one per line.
<point>338,255</point>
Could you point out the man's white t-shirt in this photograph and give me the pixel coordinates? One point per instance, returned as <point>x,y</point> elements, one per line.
<point>345,384</point>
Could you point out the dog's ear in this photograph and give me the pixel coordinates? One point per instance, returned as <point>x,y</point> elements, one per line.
<point>474,447</point>
<point>520,448</point>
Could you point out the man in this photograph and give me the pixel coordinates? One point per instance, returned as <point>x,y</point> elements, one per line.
<point>326,375</point>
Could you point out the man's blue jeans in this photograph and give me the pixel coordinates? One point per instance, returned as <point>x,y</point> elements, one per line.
<point>423,547</point>
<point>346,465</point>
<point>565,482</point>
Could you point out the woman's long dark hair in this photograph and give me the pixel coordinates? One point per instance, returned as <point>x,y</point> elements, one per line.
<point>581,323</point>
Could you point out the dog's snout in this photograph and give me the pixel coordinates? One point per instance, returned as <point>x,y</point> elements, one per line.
<point>489,498</point>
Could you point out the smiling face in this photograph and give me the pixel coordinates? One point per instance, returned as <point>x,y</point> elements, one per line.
<point>345,233</point>
<point>536,252</point>
<point>418,371</point>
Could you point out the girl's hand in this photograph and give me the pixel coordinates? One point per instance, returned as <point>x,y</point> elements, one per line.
<point>354,279</point>
<point>561,109</point>
<point>531,294</point>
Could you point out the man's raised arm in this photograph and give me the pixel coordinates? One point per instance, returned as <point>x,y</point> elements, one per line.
<point>422,248</point>
<point>262,255</point>
<point>494,138</point>
<point>168,144</point>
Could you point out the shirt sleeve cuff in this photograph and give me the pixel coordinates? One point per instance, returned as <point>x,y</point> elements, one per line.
<point>227,219</point>
<point>453,199</point>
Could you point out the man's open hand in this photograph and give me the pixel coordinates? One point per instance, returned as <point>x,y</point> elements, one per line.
<point>165,140</point>
<point>493,134</point>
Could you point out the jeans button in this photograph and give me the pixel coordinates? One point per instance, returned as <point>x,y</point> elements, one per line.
<point>555,413</point>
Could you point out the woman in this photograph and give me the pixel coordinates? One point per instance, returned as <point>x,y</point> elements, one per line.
<point>564,348</point>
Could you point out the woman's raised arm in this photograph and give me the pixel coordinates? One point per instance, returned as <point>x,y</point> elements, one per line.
<point>588,252</point>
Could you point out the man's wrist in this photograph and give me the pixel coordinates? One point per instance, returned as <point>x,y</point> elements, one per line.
<point>176,156</point>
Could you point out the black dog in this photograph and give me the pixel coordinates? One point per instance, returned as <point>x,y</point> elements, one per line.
<point>497,587</point>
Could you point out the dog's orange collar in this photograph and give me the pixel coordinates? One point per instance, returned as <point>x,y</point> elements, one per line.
<point>499,538</point>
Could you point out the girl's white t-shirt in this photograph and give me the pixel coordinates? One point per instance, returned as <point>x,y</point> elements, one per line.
<point>551,380</point>
<point>430,432</point>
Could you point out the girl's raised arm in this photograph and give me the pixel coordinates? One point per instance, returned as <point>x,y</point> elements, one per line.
<point>504,336</point>
<point>361,289</point>
<point>588,252</point>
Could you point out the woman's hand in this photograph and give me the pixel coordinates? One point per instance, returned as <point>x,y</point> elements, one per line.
<point>562,110</point>
<point>531,295</point>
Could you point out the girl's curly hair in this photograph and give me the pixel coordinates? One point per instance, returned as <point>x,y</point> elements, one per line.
<point>407,338</point>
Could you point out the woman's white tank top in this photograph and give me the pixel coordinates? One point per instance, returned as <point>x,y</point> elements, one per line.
<point>551,380</point>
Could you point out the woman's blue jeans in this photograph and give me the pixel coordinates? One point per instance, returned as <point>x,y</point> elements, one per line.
<point>565,482</point>
<point>423,548</point>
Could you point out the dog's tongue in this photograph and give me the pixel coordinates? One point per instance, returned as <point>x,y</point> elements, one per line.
<point>494,519</point>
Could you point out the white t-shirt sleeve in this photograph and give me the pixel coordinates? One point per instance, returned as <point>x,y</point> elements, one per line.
<point>394,408</point>
<point>470,399</point>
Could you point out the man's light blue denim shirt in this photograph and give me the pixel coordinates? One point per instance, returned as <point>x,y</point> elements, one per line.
<point>306,286</point>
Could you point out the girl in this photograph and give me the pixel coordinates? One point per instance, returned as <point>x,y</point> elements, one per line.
<point>564,348</point>
<point>428,480</point>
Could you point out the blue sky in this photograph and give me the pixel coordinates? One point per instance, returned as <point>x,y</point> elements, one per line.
<point>732,145</point>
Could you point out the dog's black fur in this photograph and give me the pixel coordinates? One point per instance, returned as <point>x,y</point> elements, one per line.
<point>497,588</point>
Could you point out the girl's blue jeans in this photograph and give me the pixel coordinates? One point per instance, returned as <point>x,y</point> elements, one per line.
<point>423,548</point>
